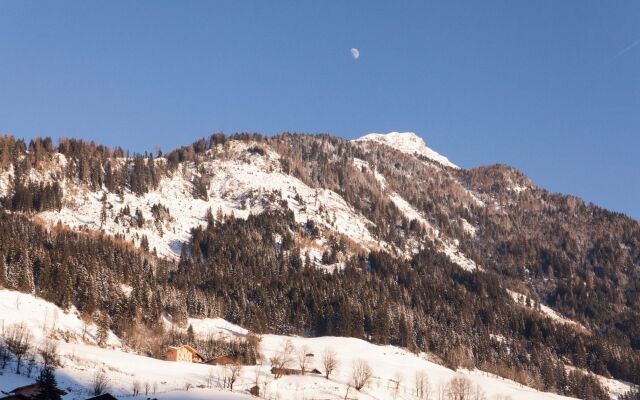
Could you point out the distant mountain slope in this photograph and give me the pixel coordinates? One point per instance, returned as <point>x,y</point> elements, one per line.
<point>379,238</point>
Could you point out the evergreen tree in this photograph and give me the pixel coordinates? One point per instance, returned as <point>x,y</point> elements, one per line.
<point>48,385</point>
<point>102,333</point>
<point>3,272</point>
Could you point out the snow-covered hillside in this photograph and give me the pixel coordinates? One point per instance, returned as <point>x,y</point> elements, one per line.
<point>446,245</point>
<point>241,183</point>
<point>176,380</point>
<point>408,142</point>
<point>554,315</point>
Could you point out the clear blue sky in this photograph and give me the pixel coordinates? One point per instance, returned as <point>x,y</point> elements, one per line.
<point>550,87</point>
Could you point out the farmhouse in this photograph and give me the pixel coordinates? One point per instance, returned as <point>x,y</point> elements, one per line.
<point>184,353</point>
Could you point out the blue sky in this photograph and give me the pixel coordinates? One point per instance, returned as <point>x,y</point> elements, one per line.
<point>550,87</point>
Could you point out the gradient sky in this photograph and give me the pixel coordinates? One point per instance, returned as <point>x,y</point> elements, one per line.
<point>550,87</point>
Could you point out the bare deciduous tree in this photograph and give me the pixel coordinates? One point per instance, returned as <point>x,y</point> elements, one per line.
<point>49,352</point>
<point>136,388</point>
<point>210,377</point>
<point>18,340</point>
<point>422,385</point>
<point>397,381</point>
<point>5,356</point>
<point>459,388</point>
<point>282,359</point>
<point>478,394</point>
<point>303,358</point>
<point>329,361</point>
<point>100,383</point>
<point>233,373</point>
<point>361,374</point>
<point>346,394</point>
<point>31,363</point>
<point>254,341</point>
<point>442,391</point>
<point>256,376</point>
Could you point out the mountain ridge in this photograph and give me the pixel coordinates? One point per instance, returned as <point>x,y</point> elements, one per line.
<point>442,246</point>
<point>407,142</point>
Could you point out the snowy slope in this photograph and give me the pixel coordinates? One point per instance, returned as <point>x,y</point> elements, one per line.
<point>554,315</point>
<point>44,319</point>
<point>446,245</point>
<point>241,183</point>
<point>170,379</point>
<point>407,142</point>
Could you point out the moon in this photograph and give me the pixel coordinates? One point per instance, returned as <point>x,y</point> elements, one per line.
<point>355,53</point>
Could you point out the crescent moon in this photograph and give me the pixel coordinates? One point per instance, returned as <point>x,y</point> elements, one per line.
<point>355,53</point>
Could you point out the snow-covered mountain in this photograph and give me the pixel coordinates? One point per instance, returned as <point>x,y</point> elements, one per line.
<point>241,183</point>
<point>381,239</point>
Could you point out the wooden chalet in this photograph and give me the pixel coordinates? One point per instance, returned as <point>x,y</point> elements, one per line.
<point>184,353</point>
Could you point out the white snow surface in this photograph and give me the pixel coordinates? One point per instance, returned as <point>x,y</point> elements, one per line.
<point>44,319</point>
<point>408,142</point>
<point>81,361</point>
<point>548,311</point>
<point>240,184</point>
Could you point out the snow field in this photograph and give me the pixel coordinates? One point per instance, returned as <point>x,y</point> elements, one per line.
<point>177,380</point>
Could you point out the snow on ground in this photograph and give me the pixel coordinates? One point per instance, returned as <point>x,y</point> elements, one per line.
<point>613,386</point>
<point>241,184</point>
<point>204,327</point>
<point>548,311</point>
<point>458,257</point>
<point>407,142</point>
<point>6,177</point>
<point>388,363</point>
<point>44,319</point>
<point>468,228</point>
<point>170,380</point>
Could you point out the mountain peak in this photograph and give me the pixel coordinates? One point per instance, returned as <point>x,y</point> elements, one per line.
<point>407,142</point>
